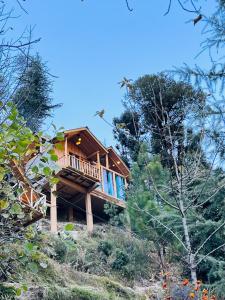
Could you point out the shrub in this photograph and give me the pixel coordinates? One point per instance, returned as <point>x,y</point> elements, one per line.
<point>105,247</point>
<point>120,261</point>
<point>60,250</point>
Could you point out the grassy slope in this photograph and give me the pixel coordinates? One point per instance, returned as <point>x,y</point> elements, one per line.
<point>105,266</point>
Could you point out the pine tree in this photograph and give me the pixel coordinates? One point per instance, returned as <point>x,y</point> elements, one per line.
<point>33,95</point>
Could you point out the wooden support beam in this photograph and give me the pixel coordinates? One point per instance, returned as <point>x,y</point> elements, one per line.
<point>98,159</point>
<point>89,215</point>
<point>102,178</point>
<point>73,185</point>
<point>92,154</point>
<point>71,214</point>
<point>66,152</point>
<point>107,161</point>
<point>53,210</point>
<point>112,199</point>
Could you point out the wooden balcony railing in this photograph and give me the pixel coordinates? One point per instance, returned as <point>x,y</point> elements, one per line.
<point>32,198</point>
<point>82,166</point>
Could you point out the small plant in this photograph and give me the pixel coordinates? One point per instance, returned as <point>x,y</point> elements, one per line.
<point>184,290</point>
<point>105,247</point>
<point>121,260</point>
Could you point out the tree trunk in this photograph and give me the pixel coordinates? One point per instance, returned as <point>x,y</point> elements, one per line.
<point>191,257</point>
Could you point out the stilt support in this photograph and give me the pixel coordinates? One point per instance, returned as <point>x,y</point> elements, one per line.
<point>89,215</point>
<point>70,214</point>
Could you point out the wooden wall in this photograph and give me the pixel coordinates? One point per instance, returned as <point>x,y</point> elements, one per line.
<point>75,150</point>
<point>71,148</point>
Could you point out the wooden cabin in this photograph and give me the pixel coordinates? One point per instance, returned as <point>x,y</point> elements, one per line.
<point>89,176</point>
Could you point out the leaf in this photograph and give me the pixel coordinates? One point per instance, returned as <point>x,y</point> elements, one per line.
<point>44,159</point>
<point>5,215</point>
<point>24,287</point>
<point>1,176</point>
<point>54,180</point>
<point>54,157</point>
<point>15,209</point>
<point>9,104</point>
<point>69,227</point>
<point>29,246</point>
<point>4,204</point>
<point>18,292</point>
<point>35,169</point>
<point>59,146</point>
<point>43,265</point>
<point>32,266</point>
<point>47,171</point>
<point>60,136</point>
<point>51,152</point>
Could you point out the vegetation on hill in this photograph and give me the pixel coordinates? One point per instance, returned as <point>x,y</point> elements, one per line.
<point>108,265</point>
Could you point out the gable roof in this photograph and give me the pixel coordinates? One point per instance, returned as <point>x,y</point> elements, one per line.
<point>116,158</point>
<point>89,136</point>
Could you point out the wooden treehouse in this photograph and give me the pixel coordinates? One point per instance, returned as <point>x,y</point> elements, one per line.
<point>89,176</point>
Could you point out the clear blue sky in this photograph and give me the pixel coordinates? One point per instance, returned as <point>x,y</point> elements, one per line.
<point>91,45</point>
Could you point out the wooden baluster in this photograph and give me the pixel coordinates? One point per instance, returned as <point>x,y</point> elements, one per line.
<point>102,178</point>
<point>66,153</point>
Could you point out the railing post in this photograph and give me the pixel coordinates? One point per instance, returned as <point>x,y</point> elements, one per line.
<point>89,215</point>
<point>31,196</point>
<point>102,178</point>
<point>66,152</point>
<point>107,161</point>
<point>98,166</point>
<point>53,210</point>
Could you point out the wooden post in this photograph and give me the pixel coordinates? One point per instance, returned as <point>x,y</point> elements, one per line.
<point>66,152</point>
<point>53,210</point>
<point>89,215</point>
<point>70,214</point>
<point>102,178</point>
<point>98,165</point>
<point>98,159</point>
<point>114,185</point>
<point>126,183</point>
<point>107,161</point>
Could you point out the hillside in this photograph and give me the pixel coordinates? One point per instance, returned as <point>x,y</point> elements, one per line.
<point>108,265</point>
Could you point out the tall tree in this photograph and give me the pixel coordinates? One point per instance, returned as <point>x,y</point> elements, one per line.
<point>144,119</point>
<point>33,95</point>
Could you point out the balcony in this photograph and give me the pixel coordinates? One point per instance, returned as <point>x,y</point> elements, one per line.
<point>80,171</point>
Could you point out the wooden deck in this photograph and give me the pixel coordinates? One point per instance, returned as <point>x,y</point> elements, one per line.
<point>80,166</point>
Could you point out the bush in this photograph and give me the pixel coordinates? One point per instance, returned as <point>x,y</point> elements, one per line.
<point>7,293</point>
<point>120,261</point>
<point>60,250</point>
<point>105,247</point>
<point>113,253</point>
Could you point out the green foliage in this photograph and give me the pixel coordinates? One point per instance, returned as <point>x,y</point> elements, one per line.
<point>152,102</point>
<point>105,247</point>
<point>69,227</point>
<point>17,145</point>
<point>116,216</point>
<point>113,254</point>
<point>121,260</point>
<point>33,95</point>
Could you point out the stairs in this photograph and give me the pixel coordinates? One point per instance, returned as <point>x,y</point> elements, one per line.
<point>33,201</point>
